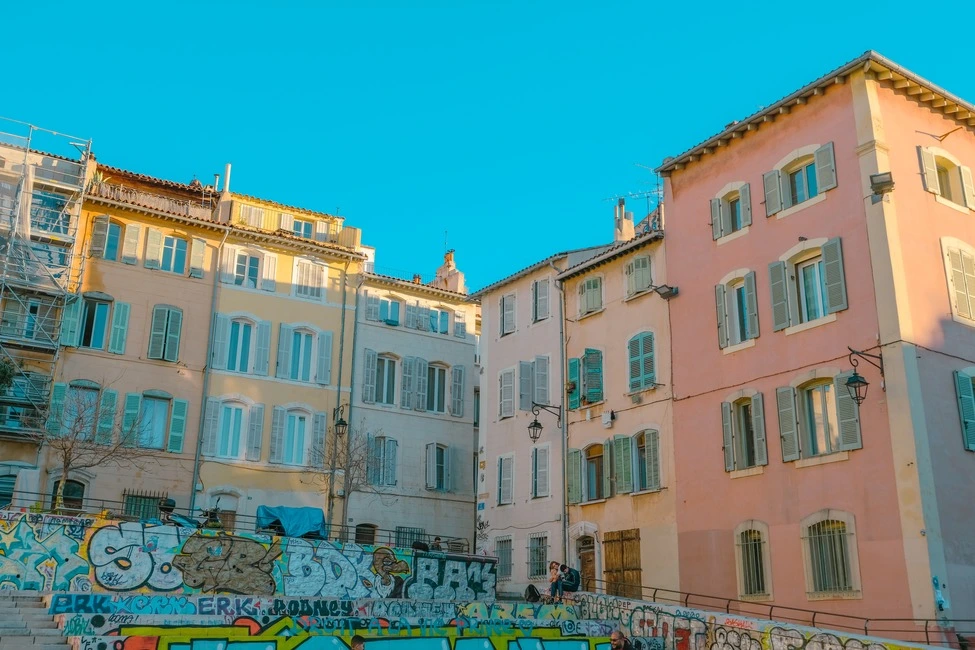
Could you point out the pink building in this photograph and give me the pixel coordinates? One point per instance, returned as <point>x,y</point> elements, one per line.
<point>787,489</point>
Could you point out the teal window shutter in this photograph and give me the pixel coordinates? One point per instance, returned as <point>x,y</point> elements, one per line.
<point>607,470</point>
<point>745,204</point>
<point>71,321</point>
<point>785,401</point>
<point>966,408</point>
<point>834,278</point>
<point>721,308</point>
<point>573,475</point>
<point>107,408</point>
<point>55,414</point>
<point>728,436</point>
<point>652,442</point>
<point>847,414</point>
<point>177,425</point>
<point>622,448</point>
<point>574,383</point>
<point>751,305</point>
<point>255,433</point>
<point>394,313</point>
<point>716,218</point>
<point>636,366</point>
<point>758,428</point>
<point>120,328</point>
<point>444,322</point>
<point>779,287</point>
<point>592,375</point>
<point>157,332</point>
<point>648,360</point>
<point>130,419</point>
<point>371,308</point>
<point>174,330</point>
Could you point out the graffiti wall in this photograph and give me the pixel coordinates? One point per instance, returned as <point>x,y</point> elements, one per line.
<point>653,626</point>
<point>53,553</point>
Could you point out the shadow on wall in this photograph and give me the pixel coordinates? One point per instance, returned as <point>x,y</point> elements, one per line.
<point>55,553</point>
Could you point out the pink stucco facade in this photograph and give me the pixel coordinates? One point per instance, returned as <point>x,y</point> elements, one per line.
<point>900,509</point>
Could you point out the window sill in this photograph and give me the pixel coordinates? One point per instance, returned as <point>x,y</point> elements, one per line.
<point>802,327</point>
<point>738,347</point>
<point>951,204</point>
<point>788,212</point>
<point>968,322</point>
<point>758,470</point>
<point>757,598</point>
<point>838,595</point>
<point>650,491</point>
<point>592,502</point>
<point>835,457</point>
<point>591,313</point>
<point>541,496</point>
<point>721,241</point>
<point>638,294</point>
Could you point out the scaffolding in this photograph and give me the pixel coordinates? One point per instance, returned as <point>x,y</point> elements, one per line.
<point>43,177</point>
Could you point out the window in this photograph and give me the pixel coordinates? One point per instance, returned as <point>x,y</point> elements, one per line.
<point>113,240</point>
<point>48,213</point>
<point>439,321</point>
<point>506,480</point>
<point>752,555</point>
<point>252,216</point>
<point>294,441</point>
<point>79,414</point>
<point>436,388</point>
<point>591,379</point>
<point>808,286</point>
<point>438,467</point>
<point>385,380</point>
<point>638,277</point>
<point>94,324</point>
<point>636,462</point>
<point>540,471</point>
<point>533,382</point>
<point>383,310</point>
<point>173,255</point>
<point>406,535</point>
<point>731,212</point>
<point>537,555</point>
<point>818,418</point>
<point>303,228</point>
<point>230,444</point>
<point>365,534</point>
<point>810,173</point>
<point>595,472</point>
<point>540,300</point>
<point>643,372</point>
<point>7,482</point>
<point>743,424</point>
<point>247,270</point>
<point>502,548</point>
<point>30,318</point>
<point>141,505</point>
<point>507,314</point>
<point>165,333</point>
<point>946,178</point>
<point>460,325</point>
<point>829,546</point>
<point>239,356</point>
<point>624,574</point>
<point>309,280</point>
<point>381,464</point>
<point>737,307</point>
<point>301,355</point>
<point>304,353</point>
<point>477,408</point>
<point>153,422</point>
<point>297,436</point>
<point>506,405</point>
<point>590,295</point>
<point>960,269</point>
<point>965,390</point>
<point>73,495</point>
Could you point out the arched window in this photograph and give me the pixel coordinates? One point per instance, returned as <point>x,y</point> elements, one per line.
<point>743,426</point>
<point>817,417</point>
<point>737,308</point>
<point>73,495</point>
<point>731,211</point>
<point>595,472</point>
<point>242,339</point>
<point>830,550</point>
<point>436,387</point>
<point>946,177</point>
<point>233,430</point>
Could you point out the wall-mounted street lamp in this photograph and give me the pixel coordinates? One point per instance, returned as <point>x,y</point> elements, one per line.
<point>338,422</point>
<point>665,291</point>
<point>535,428</point>
<point>856,383</point>
<point>340,427</point>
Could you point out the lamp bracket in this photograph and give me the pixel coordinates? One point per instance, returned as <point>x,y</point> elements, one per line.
<point>869,358</point>
<point>554,410</point>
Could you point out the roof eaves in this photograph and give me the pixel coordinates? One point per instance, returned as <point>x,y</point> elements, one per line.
<point>641,240</point>
<point>149,179</point>
<point>413,286</point>
<point>283,206</point>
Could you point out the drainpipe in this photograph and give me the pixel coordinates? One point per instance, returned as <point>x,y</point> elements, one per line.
<point>338,402</point>
<point>206,366</point>
<point>565,417</point>
<point>346,480</point>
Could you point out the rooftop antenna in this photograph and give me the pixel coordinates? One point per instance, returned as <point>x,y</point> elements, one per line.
<point>445,242</point>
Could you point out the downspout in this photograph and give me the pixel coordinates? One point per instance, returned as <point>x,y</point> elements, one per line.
<point>206,367</point>
<point>346,480</point>
<point>338,402</point>
<point>565,416</point>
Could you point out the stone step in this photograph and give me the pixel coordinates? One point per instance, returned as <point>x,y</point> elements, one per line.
<point>24,631</point>
<point>31,643</point>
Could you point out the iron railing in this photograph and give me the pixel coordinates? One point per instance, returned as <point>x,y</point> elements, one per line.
<point>195,209</point>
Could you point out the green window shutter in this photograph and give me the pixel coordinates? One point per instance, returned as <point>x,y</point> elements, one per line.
<point>157,333</point>
<point>107,408</point>
<point>847,414</point>
<point>785,401</point>
<point>728,436</point>
<point>835,279</point>
<point>825,167</point>
<point>130,243</point>
<point>56,413</point>
<point>153,248</point>
<point>607,469</point>
<point>593,375</point>
<point>636,367</point>
<point>421,367</point>
<point>319,426</point>
<point>573,475</point>
<point>623,447</point>
<point>391,447</point>
<point>721,307</point>
<point>323,369</point>
<point>929,171</point>
<point>369,360</point>
<point>779,287</point>
<point>745,204</point>
<point>71,321</point>
<point>262,349</point>
<point>174,330</point>
<point>758,427</point>
<point>99,235</point>
<point>374,446</point>
<point>773,192</point>
<point>726,225</point>
<point>653,459</point>
<point>255,433</point>
<point>967,187</point>
<point>574,382</point>
<point>177,426</point>
<point>130,419</point>
<point>279,419</point>
<point>211,420</point>
<point>715,218</point>
<point>457,391</point>
<point>284,351</point>
<point>120,328</point>
<point>649,360</point>
<point>198,249</point>
<point>221,341</point>
<point>956,260</point>
<point>751,304</point>
<point>526,385</point>
<point>966,408</point>
<point>406,388</point>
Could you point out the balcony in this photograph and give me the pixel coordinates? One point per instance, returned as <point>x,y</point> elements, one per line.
<point>202,209</point>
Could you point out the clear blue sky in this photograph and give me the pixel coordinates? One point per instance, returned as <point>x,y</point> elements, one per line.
<point>506,123</point>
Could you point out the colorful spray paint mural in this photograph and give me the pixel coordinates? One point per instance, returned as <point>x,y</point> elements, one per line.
<point>53,553</point>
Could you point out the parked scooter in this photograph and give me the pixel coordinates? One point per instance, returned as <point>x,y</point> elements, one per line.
<point>211,516</point>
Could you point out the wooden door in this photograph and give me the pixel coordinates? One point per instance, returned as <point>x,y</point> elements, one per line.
<point>623,571</point>
<point>587,563</point>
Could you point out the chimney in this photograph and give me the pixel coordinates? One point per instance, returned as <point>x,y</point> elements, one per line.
<point>448,277</point>
<point>417,279</point>
<point>226,179</point>
<point>624,230</point>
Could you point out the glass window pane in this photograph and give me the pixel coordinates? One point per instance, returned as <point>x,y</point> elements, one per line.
<point>112,242</point>
<point>813,188</point>
<point>179,256</point>
<point>153,422</point>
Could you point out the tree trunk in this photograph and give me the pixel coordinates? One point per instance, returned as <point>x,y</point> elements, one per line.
<point>59,497</point>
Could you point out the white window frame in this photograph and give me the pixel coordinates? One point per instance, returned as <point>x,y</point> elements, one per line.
<point>816,263</point>
<point>505,564</point>
<point>106,330</point>
<point>790,163</point>
<point>309,435</point>
<point>508,459</point>
<point>311,336</point>
<point>242,441</point>
<point>441,473</point>
<point>296,287</point>
<point>853,560</point>
<point>951,245</point>
<point>252,351</point>
<point>298,232</point>
<point>806,431</point>
<point>249,254</point>
<point>388,374</point>
<point>186,254</point>
<point>437,370</point>
<point>635,288</point>
<point>166,425</point>
<point>961,190</point>
<point>590,295</point>
<point>541,489</point>
<point>793,258</point>
<point>766,559</point>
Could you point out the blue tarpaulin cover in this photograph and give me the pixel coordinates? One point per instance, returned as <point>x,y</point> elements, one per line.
<point>295,521</point>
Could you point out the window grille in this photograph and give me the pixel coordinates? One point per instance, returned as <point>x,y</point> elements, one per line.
<point>538,555</point>
<point>829,556</point>
<point>405,536</point>
<point>142,505</point>
<point>502,548</point>
<point>365,534</point>
<point>751,549</point>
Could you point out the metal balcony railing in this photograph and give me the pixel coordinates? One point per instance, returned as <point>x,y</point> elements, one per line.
<point>202,209</point>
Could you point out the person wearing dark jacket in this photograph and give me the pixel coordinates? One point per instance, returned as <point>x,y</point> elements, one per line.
<point>618,641</point>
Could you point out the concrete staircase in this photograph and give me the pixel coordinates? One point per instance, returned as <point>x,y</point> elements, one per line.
<point>25,623</point>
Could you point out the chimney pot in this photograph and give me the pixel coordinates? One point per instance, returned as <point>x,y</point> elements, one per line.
<point>416,278</point>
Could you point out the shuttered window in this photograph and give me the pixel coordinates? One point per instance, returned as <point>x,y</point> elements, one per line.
<point>637,274</point>
<point>381,460</point>
<point>506,480</point>
<point>540,471</point>
<point>507,304</point>
<point>309,280</point>
<point>743,427</point>
<point>818,418</point>
<point>961,279</point>
<point>809,288</point>
<point>642,365</point>
<point>506,380</point>
<point>965,390</point>
<point>947,179</point>
<point>590,295</point>
<point>540,300</point>
<point>165,333</point>
<point>731,212</point>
